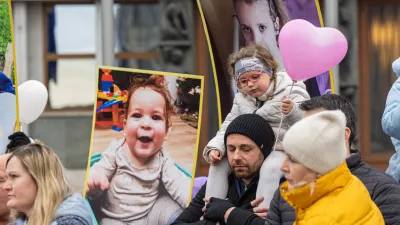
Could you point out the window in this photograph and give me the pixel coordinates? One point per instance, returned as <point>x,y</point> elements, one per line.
<point>137,35</point>
<point>71,48</point>
<point>379,47</point>
<point>384,48</point>
<point>70,55</point>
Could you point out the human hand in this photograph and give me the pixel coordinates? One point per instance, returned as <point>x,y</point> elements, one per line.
<point>214,156</point>
<point>216,209</point>
<point>97,184</point>
<point>206,201</point>
<point>287,106</point>
<point>260,211</point>
<point>18,139</point>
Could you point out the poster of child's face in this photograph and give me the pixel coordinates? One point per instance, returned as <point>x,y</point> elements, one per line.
<point>260,22</point>
<point>7,80</point>
<point>144,144</point>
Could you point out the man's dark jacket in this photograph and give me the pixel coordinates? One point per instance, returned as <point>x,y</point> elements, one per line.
<point>191,215</point>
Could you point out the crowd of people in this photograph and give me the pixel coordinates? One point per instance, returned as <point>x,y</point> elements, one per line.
<point>323,178</point>
<point>280,158</point>
<point>284,155</point>
<point>34,189</point>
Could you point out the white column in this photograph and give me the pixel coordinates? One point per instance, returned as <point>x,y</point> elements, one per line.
<point>107,31</point>
<point>20,20</point>
<point>20,25</point>
<point>99,36</point>
<point>36,33</point>
<point>331,19</point>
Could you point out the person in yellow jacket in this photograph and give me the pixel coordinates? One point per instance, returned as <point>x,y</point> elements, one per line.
<point>319,185</point>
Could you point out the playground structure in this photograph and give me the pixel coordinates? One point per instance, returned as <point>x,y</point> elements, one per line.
<point>110,99</point>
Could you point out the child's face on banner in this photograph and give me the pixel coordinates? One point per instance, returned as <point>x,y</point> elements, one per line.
<point>146,123</point>
<point>256,24</point>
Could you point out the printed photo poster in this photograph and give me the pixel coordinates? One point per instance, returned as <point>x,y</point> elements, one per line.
<point>8,85</point>
<point>144,145</point>
<point>232,24</point>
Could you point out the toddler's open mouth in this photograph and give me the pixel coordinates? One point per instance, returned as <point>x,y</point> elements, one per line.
<point>145,139</point>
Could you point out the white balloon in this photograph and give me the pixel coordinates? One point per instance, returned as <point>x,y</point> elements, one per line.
<point>32,99</point>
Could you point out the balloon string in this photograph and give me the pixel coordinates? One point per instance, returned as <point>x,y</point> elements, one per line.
<point>280,124</point>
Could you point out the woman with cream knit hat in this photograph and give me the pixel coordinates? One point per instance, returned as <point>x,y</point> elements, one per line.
<point>319,185</point>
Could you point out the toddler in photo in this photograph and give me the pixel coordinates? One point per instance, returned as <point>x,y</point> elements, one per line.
<point>262,90</point>
<point>142,184</point>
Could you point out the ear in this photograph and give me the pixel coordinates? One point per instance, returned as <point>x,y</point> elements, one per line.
<point>237,85</point>
<point>276,25</point>
<point>347,135</point>
<point>124,123</point>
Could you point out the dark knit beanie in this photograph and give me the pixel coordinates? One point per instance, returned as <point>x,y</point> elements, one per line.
<point>254,127</point>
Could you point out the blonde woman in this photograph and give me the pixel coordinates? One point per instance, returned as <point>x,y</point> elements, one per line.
<point>319,185</point>
<point>38,193</point>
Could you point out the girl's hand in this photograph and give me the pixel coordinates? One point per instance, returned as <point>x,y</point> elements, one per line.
<point>96,185</point>
<point>287,106</point>
<point>214,157</point>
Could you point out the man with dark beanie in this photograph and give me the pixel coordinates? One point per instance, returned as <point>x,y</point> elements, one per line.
<point>249,140</point>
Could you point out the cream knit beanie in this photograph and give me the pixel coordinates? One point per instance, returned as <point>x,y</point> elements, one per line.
<point>318,141</point>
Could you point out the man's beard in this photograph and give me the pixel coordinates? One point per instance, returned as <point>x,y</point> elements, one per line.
<point>244,172</point>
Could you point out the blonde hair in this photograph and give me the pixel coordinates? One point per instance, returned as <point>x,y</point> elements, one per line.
<point>48,173</point>
<point>258,51</point>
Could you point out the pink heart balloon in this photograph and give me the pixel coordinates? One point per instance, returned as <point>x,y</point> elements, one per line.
<point>309,51</point>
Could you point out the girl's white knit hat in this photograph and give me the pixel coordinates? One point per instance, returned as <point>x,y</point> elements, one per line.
<point>318,141</point>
